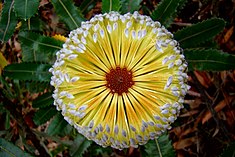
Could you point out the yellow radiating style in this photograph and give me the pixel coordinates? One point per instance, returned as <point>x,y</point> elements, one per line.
<point>120,80</point>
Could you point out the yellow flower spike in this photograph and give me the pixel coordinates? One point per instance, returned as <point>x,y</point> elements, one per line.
<point>59,37</point>
<point>3,62</point>
<point>19,24</point>
<point>120,80</point>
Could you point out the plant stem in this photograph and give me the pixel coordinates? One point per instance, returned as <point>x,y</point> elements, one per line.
<point>158,147</point>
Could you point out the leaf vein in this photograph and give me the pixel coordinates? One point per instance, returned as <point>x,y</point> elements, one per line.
<point>6,150</point>
<point>196,34</point>
<point>208,61</point>
<point>165,9</point>
<point>68,13</point>
<point>57,47</point>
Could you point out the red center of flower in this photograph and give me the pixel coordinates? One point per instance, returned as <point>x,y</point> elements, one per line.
<point>119,80</point>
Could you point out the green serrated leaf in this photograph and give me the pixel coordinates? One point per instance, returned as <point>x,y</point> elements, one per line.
<point>66,130</point>
<point>130,6</point>
<point>36,47</point>
<point>57,125</point>
<point>7,89</point>
<point>44,114</point>
<point>26,8</point>
<point>58,149</point>
<point>8,149</point>
<point>68,13</point>
<point>209,59</point>
<point>165,10</point>
<point>8,21</point>
<point>200,32</point>
<point>36,87</point>
<point>28,147</point>
<point>7,121</point>
<point>145,9</point>
<point>28,71</point>
<point>32,24</point>
<point>161,147</point>
<point>43,100</point>
<point>229,151</point>
<point>207,45</point>
<point>79,146</point>
<point>99,151</point>
<point>87,5</point>
<point>167,23</point>
<point>110,5</point>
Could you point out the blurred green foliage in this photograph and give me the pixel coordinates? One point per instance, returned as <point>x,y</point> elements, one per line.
<point>38,54</point>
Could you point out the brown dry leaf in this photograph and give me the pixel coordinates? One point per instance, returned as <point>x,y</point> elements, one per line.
<point>17,46</point>
<point>232,75</point>
<point>193,93</point>
<point>216,132</point>
<point>194,103</point>
<point>181,131</point>
<point>130,151</point>
<point>180,154</point>
<point>223,75</point>
<point>217,108</point>
<point>228,35</point>
<point>178,130</point>
<point>189,113</point>
<point>43,2</point>
<point>203,78</point>
<point>231,116</point>
<point>188,131</point>
<point>0,8</point>
<point>52,145</point>
<point>181,144</point>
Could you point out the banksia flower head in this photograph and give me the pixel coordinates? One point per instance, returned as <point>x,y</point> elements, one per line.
<point>120,80</point>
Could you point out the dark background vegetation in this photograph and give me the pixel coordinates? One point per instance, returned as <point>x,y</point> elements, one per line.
<point>205,127</point>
